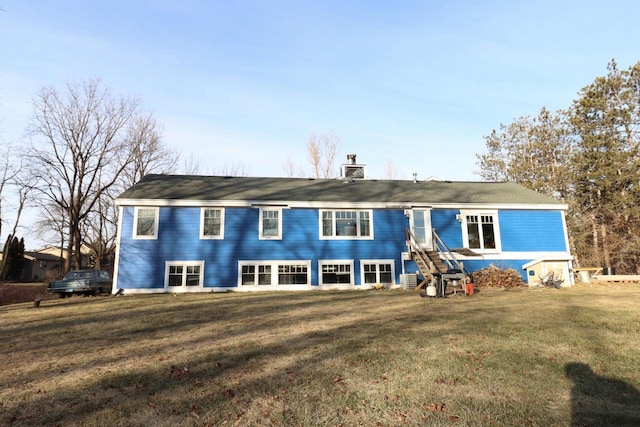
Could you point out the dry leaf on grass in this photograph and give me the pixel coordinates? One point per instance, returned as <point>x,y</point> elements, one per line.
<point>436,407</point>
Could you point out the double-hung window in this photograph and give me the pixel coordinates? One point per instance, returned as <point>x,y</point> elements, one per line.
<point>481,230</point>
<point>336,272</point>
<point>181,275</point>
<point>377,272</point>
<point>270,223</point>
<point>346,224</point>
<point>256,274</point>
<point>145,223</point>
<point>212,223</point>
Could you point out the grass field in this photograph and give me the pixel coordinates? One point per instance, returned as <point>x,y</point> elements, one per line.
<point>542,357</point>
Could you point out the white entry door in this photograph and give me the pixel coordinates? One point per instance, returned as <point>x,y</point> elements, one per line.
<point>421,227</point>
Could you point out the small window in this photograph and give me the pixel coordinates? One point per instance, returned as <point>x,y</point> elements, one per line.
<point>270,223</point>
<point>256,274</point>
<point>293,274</point>
<point>378,272</point>
<point>336,272</point>
<point>145,223</point>
<point>184,274</point>
<point>212,223</point>
<point>248,275</point>
<point>264,275</point>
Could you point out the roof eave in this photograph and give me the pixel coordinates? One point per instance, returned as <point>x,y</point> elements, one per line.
<point>335,204</point>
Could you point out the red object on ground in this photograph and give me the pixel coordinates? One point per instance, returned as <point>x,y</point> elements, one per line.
<point>468,289</point>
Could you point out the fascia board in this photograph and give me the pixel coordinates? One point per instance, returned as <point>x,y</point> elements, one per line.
<point>334,205</point>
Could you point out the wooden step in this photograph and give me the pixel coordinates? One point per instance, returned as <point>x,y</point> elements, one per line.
<point>438,264</point>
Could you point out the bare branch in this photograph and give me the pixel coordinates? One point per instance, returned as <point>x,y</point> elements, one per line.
<point>322,151</point>
<point>87,142</point>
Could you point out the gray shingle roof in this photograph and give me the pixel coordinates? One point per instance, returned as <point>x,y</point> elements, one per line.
<point>200,188</point>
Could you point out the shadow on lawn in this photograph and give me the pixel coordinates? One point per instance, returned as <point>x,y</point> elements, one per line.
<point>601,401</point>
<point>233,380</point>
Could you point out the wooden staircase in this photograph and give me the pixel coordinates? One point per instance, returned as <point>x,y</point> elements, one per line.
<point>434,263</point>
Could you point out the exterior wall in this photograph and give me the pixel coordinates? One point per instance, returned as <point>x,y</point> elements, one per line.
<point>444,222</point>
<point>531,230</point>
<point>525,235</point>
<point>520,230</point>
<point>142,262</point>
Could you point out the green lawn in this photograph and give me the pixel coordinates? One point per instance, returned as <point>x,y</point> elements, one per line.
<point>501,357</point>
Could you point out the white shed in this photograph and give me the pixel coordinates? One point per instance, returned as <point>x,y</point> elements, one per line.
<point>559,266</point>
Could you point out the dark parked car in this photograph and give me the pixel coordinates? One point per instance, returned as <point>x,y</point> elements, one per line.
<point>82,282</point>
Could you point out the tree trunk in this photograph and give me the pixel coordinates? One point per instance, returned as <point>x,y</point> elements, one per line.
<point>605,246</point>
<point>5,258</point>
<point>595,249</point>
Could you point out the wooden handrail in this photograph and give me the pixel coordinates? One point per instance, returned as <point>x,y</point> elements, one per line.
<point>447,254</point>
<point>414,247</point>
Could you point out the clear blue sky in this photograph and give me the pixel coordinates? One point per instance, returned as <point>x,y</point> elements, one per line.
<point>417,83</point>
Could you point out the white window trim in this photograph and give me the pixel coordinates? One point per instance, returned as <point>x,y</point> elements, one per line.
<point>274,274</point>
<point>348,262</point>
<point>260,224</point>
<point>272,264</point>
<point>156,222</point>
<point>183,287</point>
<point>378,262</point>
<point>496,229</point>
<point>333,218</point>
<point>209,237</point>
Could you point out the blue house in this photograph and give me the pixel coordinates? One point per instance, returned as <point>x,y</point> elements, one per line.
<point>182,233</point>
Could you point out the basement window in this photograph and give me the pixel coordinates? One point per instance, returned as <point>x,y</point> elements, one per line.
<point>183,274</point>
<point>273,273</point>
<point>336,272</point>
<point>377,272</point>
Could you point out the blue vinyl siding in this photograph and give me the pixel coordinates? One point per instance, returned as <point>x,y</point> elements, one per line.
<point>142,262</point>
<point>448,228</point>
<point>520,230</point>
<point>529,230</point>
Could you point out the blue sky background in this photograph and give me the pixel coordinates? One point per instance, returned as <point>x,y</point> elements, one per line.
<point>416,83</point>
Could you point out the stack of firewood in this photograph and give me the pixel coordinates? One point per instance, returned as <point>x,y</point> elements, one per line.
<point>494,277</point>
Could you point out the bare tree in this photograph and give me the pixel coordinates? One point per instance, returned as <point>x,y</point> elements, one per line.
<point>390,169</point>
<point>21,180</point>
<point>99,231</point>
<point>191,165</point>
<point>322,151</point>
<point>236,169</point>
<point>52,227</point>
<point>8,172</point>
<point>82,145</point>
<point>149,154</point>
<point>292,169</point>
